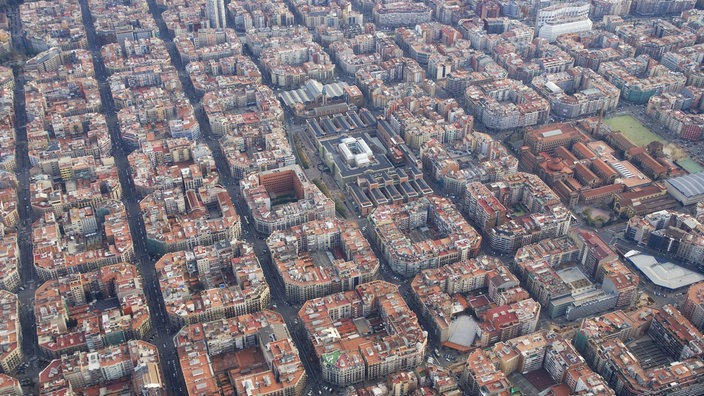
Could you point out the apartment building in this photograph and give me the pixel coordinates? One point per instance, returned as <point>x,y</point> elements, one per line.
<point>577,92</point>
<point>11,354</point>
<point>640,78</point>
<point>393,224</point>
<point>343,336</point>
<point>601,342</point>
<point>669,231</point>
<point>506,104</point>
<point>177,221</point>
<point>10,386</point>
<point>321,257</point>
<point>543,215</point>
<point>67,322</point>
<point>693,306</point>
<point>207,283</point>
<point>404,13</point>
<point>675,335</point>
<point>591,48</point>
<point>40,20</point>
<point>211,355</point>
<point>481,377</point>
<point>434,290</point>
<point>110,245</point>
<point>262,191</point>
<point>9,257</point>
<point>136,364</point>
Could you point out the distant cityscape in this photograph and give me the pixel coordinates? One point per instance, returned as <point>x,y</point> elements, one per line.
<point>351,198</point>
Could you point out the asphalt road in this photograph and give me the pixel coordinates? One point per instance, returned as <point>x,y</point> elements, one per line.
<point>24,228</point>
<point>28,278</point>
<point>162,331</point>
<point>613,235</point>
<point>276,286</point>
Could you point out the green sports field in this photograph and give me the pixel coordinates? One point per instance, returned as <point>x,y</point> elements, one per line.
<point>633,129</point>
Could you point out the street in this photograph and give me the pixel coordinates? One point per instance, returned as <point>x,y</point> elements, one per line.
<point>277,289</point>
<point>612,235</point>
<point>162,330</point>
<point>24,228</point>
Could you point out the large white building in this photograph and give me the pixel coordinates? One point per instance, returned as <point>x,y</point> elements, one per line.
<point>687,189</point>
<point>215,11</point>
<point>558,19</point>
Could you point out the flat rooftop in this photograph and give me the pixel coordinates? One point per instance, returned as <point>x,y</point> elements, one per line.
<point>663,274</point>
<point>572,275</point>
<point>379,162</point>
<point>463,330</point>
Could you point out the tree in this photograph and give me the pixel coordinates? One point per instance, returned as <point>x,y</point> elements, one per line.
<point>655,148</point>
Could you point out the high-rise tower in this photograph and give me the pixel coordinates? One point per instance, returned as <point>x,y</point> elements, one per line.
<point>215,11</point>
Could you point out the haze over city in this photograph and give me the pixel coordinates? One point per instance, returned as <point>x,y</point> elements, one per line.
<point>351,198</point>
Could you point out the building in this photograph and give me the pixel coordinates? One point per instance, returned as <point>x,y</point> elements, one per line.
<point>693,306</point>
<point>548,272</point>
<point>675,335</point>
<point>549,351</point>
<point>601,8</point>
<point>481,377</point>
<point>341,330</point>
<point>661,8</point>
<point>212,282</point>
<point>429,377</point>
<point>313,94</point>
<point>404,13</point>
<point>566,291</point>
<point>558,19</point>
<point>437,291</point>
<point>11,355</point>
<point>291,65</point>
<point>350,158</point>
<point>640,78</point>
<point>669,110</point>
<point>9,257</point>
<point>602,341</point>
<point>396,186</point>
<point>446,237</point>
<point>268,196</point>
<point>247,354</point>
<point>134,367</point>
<point>506,104</point>
<point>321,257</point>
<point>687,189</point>
<point>480,158</point>
<point>67,322</point>
<point>92,248</point>
<point>642,200</point>
<point>549,137</point>
<point>601,46</point>
<point>616,324</point>
<point>10,386</point>
<point>542,215</point>
<point>593,251</point>
<point>555,251</point>
<point>177,219</point>
<point>577,92</point>
<point>215,12</point>
<point>668,231</point>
